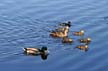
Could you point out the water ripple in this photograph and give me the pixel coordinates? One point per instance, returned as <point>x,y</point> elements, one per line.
<point>28,24</point>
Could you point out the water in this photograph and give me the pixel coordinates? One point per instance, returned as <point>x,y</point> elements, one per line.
<point>28,24</point>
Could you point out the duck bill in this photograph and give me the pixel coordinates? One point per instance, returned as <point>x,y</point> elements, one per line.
<point>47,52</point>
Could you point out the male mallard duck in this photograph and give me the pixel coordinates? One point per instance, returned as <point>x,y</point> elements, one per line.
<point>60,34</point>
<point>86,41</point>
<point>83,47</point>
<point>80,33</point>
<point>36,51</point>
<point>65,25</point>
<point>67,40</point>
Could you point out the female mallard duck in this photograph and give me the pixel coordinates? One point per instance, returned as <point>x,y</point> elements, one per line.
<point>80,33</point>
<point>60,34</point>
<point>36,51</point>
<point>86,41</point>
<point>67,40</point>
<point>83,47</point>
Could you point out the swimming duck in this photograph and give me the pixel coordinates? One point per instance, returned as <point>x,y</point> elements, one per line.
<point>80,33</point>
<point>83,47</point>
<point>86,41</point>
<point>60,34</point>
<point>36,51</point>
<point>67,40</point>
<point>66,26</point>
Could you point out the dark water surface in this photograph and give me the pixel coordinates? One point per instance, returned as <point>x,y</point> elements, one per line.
<point>27,23</point>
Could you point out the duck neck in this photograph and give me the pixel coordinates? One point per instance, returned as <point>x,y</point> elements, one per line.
<point>65,32</point>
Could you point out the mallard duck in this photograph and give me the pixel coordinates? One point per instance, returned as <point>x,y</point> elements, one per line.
<point>83,47</point>
<point>65,26</point>
<point>67,40</point>
<point>60,34</point>
<point>86,41</point>
<point>36,51</point>
<point>80,33</point>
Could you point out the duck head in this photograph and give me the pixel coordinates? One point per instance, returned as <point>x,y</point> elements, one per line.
<point>82,31</point>
<point>44,53</point>
<point>68,24</point>
<point>45,50</point>
<point>89,39</point>
<point>86,48</point>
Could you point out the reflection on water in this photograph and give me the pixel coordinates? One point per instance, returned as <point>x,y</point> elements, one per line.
<point>106,19</point>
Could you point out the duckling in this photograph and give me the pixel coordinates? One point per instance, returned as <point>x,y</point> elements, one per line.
<point>80,33</point>
<point>67,40</point>
<point>36,51</point>
<point>83,47</point>
<point>60,34</point>
<point>86,41</point>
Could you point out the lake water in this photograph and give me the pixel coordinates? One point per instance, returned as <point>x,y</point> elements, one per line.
<point>27,23</point>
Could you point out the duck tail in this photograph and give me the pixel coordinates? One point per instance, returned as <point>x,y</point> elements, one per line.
<point>25,49</point>
<point>52,34</point>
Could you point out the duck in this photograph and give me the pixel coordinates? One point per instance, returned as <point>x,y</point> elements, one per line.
<point>60,34</point>
<point>86,41</point>
<point>67,40</point>
<point>80,33</point>
<point>66,26</point>
<point>83,47</point>
<point>36,51</point>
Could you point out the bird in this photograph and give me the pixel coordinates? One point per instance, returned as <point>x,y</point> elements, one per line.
<point>80,33</point>
<point>60,34</point>
<point>44,52</point>
<point>83,47</point>
<point>86,41</point>
<point>66,26</point>
<point>62,31</point>
<point>67,40</point>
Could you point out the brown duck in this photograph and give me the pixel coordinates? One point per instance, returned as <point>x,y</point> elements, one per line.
<point>67,40</point>
<point>86,41</point>
<point>83,47</point>
<point>60,34</point>
<point>80,33</point>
